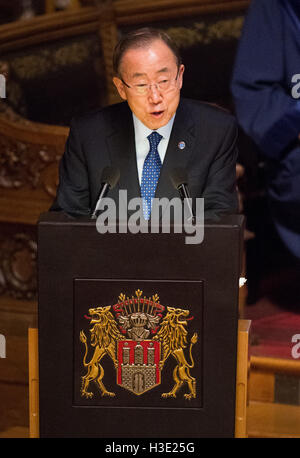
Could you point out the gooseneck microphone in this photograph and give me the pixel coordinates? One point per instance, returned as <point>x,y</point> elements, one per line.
<point>109,178</point>
<point>180,182</point>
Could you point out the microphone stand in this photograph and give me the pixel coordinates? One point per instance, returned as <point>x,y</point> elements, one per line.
<point>185,197</point>
<point>104,190</point>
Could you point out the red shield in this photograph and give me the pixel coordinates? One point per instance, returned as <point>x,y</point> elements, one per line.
<point>138,369</point>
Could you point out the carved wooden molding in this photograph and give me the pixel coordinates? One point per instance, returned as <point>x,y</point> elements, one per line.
<point>47,28</point>
<point>23,164</point>
<point>132,12</point>
<point>109,37</point>
<point>34,132</point>
<point>29,154</point>
<point>29,158</point>
<point>18,267</point>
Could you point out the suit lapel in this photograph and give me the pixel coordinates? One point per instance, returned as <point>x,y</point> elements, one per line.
<point>121,146</point>
<point>183,131</point>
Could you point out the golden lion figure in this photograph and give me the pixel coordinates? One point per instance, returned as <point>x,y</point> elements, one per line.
<point>173,336</point>
<point>104,335</point>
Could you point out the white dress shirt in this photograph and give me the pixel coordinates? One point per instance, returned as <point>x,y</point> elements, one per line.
<point>142,145</point>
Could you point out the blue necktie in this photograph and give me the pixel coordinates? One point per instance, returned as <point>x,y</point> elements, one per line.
<point>151,171</point>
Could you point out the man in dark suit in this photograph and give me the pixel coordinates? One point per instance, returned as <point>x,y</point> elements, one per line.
<point>153,121</point>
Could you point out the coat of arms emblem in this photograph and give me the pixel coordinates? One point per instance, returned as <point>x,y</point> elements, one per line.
<point>138,334</point>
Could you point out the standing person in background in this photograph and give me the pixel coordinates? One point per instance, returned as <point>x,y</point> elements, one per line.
<point>264,87</point>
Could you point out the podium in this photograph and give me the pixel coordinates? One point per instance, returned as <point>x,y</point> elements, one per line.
<point>137,333</point>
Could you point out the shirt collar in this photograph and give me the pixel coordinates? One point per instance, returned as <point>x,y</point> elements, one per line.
<point>142,131</point>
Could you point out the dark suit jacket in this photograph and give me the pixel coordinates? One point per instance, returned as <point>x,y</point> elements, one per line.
<point>106,138</point>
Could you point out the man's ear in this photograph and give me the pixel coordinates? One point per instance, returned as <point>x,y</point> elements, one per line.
<point>120,87</point>
<point>180,75</point>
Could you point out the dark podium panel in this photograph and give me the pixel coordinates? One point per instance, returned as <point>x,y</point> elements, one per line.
<point>137,332</point>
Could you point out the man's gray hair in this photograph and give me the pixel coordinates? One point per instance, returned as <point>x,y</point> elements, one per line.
<point>142,38</point>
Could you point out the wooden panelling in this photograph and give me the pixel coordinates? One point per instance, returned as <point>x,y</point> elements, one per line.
<point>268,420</point>
<point>261,386</point>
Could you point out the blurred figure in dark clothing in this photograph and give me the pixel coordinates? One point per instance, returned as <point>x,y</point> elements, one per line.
<point>266,91</point>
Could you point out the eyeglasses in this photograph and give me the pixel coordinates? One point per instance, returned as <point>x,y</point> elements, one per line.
<point>162,86</point>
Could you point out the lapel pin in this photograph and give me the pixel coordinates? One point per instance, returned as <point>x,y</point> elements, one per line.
<point>181,145</point>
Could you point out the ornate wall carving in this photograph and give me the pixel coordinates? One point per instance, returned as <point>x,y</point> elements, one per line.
<point>18,266</point>
<point>26,164</point>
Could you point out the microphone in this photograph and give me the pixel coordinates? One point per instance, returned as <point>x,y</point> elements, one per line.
<point>109,178</point>
<point>180,182</point>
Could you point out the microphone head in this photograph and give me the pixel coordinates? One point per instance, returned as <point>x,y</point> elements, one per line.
<point>111,176</point>
<point>178,177</point>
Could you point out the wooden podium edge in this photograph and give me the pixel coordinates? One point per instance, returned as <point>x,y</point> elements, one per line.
<point>33,367</point>
<point>242,378</point>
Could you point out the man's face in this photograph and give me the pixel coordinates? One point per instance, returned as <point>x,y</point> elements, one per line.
<point>142,66</point>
